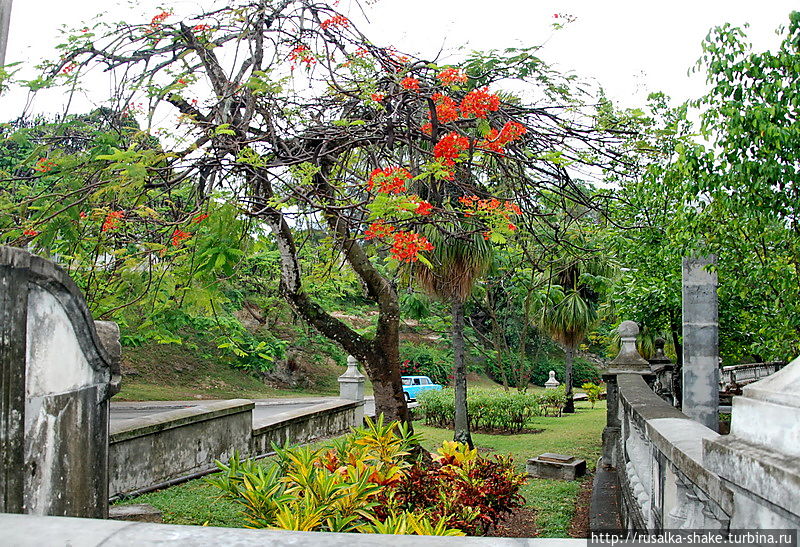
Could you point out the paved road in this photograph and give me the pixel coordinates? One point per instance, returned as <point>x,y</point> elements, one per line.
<point>264,408</point>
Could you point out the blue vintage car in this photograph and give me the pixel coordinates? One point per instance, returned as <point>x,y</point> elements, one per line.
<point>414,385</point>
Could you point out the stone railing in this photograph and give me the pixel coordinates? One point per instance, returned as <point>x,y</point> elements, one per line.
<point>659,461</point>
<point>31,531</point>
<point>673,473</point>
<point>58,369</point>
<point>166,448</point>
<point>735,376</point>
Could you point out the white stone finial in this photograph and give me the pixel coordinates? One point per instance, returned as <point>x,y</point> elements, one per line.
<point>552,383</point>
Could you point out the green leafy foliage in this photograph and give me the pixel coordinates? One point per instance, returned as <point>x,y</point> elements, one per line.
<point>489,410</point>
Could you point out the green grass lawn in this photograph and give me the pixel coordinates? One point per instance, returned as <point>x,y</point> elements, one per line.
<point>578,434</point>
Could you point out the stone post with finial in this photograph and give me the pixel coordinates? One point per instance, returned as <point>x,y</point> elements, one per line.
<point>628,361</point>
<point>351,387</point>
<point>664,369</point>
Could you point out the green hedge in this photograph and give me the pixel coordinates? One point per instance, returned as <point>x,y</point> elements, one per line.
<point>491,409</point>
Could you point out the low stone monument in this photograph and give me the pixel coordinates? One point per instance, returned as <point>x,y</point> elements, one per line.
<point>556,466</point>
<point>551,382</point>
<point>759,460</point>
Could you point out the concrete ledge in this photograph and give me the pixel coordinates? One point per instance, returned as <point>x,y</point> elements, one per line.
<point>294,416</point>
<point>759,470</point>
<point>679,438</point>
<point>35,531</point>
<point>140,427</point>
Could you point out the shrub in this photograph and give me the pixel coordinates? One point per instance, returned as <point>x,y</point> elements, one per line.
<point>422,359</point>
<point>367,482</point>
<point>553,401</point>
<point>593,392</point>
<point>345,486</point>
<point>488,409</point>
<point>583,371</point>
<point>462,489</point>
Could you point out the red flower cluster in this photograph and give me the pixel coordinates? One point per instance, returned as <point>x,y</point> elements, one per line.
<point>496,140</point>
<point>302,54</point>
<point>156,21</point>
<point>451,76</point>
<point>30,232</point>
<point>504,209</point>
<point>377,97</point>
<point>378,230</point>
<point>201,28</point>
<point>69,68</point>
<point>407,246</point>
<point>112,220</point>
<point>44,165</point>
<point>391,180</point>
<point>179,236</point>
<point>336,21</point>
<point>412,84</point>
<point>450,147</point>
<point>424,208</point>
<point>479,102</point>
<point>446,108</point>
<point>199,218</point>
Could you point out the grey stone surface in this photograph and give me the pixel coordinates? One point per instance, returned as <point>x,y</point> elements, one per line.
<point>17,531</point>
<point>760,459</point>
<point>556,466</point>
<point>628,359</point>
<point>168,447</point>
<point>700,386</point>
<point>351,386</point>
<point>135,512</point>
<point>57,376</point>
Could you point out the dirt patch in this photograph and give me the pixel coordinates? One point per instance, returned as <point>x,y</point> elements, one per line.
<point>579,528</point>
<point>517,524</point>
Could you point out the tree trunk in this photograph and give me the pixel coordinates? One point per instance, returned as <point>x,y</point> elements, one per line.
<point>569,358</point>
<point>461,434</point>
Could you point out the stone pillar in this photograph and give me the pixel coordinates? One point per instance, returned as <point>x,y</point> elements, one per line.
<point>627,362</point>
<point>351,386</point>
<point>700,342</point>
<point>57,375</point>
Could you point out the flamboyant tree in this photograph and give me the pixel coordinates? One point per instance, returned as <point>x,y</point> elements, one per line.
<point>292,112</point>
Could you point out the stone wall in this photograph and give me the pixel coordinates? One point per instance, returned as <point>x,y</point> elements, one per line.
<point>159,450</point>
<point>17,530</point>
<point>675,473</point>
<point>58,369</point>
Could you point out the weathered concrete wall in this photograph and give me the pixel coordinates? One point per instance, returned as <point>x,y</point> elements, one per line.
<point>145,452</point>
<point>700,342</point>
<point>304,425</point>
<point>164,448</point>
<point>56,376</point>
<point>17,530</point>
<point>663,480</point>
<point>760,460</point>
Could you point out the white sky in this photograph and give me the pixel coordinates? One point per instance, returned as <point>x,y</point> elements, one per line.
<point>629,47</point>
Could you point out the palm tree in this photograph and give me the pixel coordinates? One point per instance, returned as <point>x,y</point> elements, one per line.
<point>568,319</point>
<point>456,262</point>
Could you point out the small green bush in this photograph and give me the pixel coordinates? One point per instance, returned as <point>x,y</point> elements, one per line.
<point>489,410</point>
<point>593,392</point>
